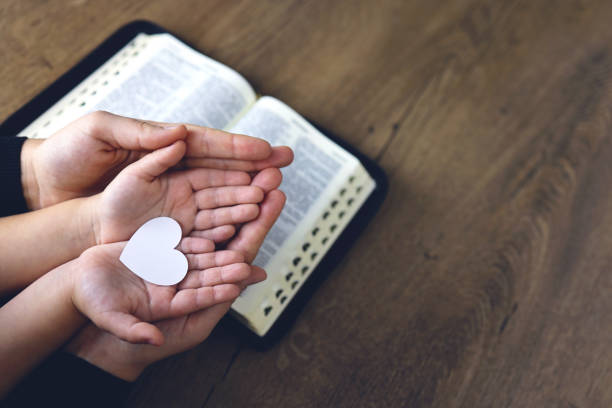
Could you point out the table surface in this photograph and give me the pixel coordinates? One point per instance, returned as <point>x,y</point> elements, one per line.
<point>485,280</point>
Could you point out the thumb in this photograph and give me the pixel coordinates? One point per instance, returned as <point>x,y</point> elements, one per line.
<point>130,134</point>
<point>129,328</point>
<point>157,162</point>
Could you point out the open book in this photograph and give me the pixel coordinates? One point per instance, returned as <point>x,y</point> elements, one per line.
<point>158,77</point>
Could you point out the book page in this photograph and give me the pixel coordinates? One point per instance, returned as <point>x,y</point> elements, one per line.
<point>154,77</point>
<point>325,186</point>
<point>317,164</point>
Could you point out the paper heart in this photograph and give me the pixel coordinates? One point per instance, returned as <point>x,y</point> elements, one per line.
<point>150,252</point>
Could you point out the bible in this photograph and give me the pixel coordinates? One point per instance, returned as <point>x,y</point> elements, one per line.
<point>144,72</point>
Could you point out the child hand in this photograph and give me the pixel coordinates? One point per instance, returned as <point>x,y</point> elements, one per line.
<point>117,300</point>
<point>196,198</point>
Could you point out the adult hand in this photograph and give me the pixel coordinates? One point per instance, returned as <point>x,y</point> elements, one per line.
<point>85,156</point>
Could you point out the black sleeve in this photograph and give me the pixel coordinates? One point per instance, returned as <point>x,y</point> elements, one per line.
<point>64,380</point>
<point>11,193</point>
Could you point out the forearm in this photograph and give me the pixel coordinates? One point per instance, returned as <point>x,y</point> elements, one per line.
<point>36,322</point>
<point>39,241</point>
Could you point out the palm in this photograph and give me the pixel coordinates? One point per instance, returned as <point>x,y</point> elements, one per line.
<point>117,300</point>
<point>107,286</point>
<point>130,201</point>
<point>145,190</point>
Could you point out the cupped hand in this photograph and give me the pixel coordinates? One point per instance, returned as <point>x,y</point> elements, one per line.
<point>117,300</point>
<point>197,198</point>
<point>82,158</point>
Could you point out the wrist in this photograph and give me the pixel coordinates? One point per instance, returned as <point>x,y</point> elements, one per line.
<point>29,182</point>
<point>88,227</point>
<point>67,275</point>
<point>69,278</point>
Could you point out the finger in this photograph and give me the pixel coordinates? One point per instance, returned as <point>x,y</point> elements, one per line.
<point>196,245</point>
<point>227,196</point>
<point>268,179</point>
<point>233,273</point>
<point>212,259</point>
<point>205,178</point>
<point>130,328</point>
<point>207,142</point>
<point>131,134</point>
<point>281,156</point>
<point>158,161</point>
<point>252,234</point>
<point>258,274</point>
<point>191,300</point>
<point>206,219</point>
<point>216,234</point>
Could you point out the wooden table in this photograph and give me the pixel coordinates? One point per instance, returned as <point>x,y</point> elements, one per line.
<point>486,278</point>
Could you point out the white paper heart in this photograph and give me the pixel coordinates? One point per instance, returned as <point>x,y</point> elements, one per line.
<point>150,252</point>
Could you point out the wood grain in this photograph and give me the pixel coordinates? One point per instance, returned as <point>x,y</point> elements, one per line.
<point>486,278</point>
